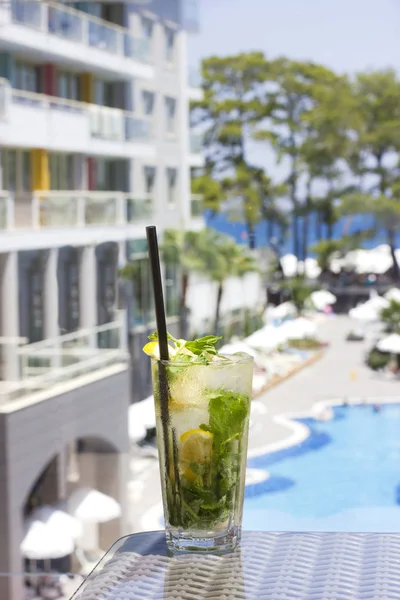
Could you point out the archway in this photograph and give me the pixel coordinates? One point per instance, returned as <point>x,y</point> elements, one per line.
<point>92,463</point>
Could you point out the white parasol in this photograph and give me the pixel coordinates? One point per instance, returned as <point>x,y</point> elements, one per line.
<point>393,294</point>
<point>267,338</point>
<point>299,328</point>
<point>42,543</point>
<point>91,506</point>
<point>322,298</point>
<point>58,521</point>
<point>144,413</point>
<point>390,344</point>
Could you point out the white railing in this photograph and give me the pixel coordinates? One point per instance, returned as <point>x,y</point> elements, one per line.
<point>78,27</point>
<point>59,209</point>
<point>196,143</point>
<point>49,362</point>
<point>112,124</point>
<point>196,205</point>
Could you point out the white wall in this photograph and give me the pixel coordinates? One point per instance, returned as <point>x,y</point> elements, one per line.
<point>238,293</point>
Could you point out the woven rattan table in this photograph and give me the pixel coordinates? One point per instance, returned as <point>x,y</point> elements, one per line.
<point>281,566</point>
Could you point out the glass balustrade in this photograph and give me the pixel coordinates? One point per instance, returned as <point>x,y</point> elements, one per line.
<point>100,210</point>
<point>139,209</point>
<point>65,24</point>
<point>77,26</point>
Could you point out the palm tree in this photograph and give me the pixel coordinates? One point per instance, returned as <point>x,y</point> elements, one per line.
<point>222,258</point>
<point>179,249</point>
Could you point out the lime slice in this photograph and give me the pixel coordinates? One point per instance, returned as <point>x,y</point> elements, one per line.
<point>196,446</point>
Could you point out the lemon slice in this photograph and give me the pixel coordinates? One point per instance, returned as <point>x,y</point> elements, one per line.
<point>152,349</point>
<point>196,446</point>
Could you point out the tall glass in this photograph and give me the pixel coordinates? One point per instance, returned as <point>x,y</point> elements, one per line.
<point>202,418</point>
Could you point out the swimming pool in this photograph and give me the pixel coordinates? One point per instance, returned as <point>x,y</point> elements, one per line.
<point>344,477</point>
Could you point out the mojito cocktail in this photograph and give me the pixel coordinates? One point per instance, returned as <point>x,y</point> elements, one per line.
<point>202,433</point>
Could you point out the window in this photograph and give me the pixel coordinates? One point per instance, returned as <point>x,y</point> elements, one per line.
<point>149,179</point>
<point>147,29</point>
<point>9,168</point>
<point>169,45</point>
<point>16,167</point>
<point>148,102</point>
<point>171,290</point>
<point>68,85</point>
<point>171,186</point>
<point>170,109</point>
<point>61,167</point>
<point>26,77</point>
<point>103,93</point>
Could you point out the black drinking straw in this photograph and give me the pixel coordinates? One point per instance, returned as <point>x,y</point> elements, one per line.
<point>154,256</point>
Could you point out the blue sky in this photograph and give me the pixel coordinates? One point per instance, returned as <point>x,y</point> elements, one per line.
<point>346,35</point>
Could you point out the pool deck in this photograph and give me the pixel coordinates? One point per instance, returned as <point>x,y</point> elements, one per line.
<point>326,379</point>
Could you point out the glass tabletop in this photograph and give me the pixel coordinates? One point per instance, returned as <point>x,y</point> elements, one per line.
<point>273,566</point>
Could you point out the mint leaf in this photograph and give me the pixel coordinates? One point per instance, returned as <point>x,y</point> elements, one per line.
<point>204,344</point>
<point>154,337</point>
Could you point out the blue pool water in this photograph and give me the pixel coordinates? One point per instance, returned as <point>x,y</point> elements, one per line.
<point>344,477</point>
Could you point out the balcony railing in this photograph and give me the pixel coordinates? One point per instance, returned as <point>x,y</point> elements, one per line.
<point>54,209</point>
<point>79,27</point>
<point>45,364</point>
<point>196,205</point>
<point>196,143</point>
<point>112,124</point>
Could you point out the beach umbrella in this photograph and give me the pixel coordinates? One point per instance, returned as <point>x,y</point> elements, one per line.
<point>378,302</point>
<point>287,309</point>
<point>311,268</point>
<point>41,542</point>
<point>365,312</point>
<point>144,413</point>
<point>322,298</point>
<point>393,294</point>
<point>58,521</point>
<point>390,344</point>
<point>267,338</point>
<point>91,506</point>
<point>299,328</point>
<point>289,265</point>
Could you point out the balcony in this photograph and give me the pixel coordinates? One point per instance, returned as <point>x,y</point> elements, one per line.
<point>55,209</point>
<point>59,32</point>
<point>196,158</point>
<point>45,364</point>
<point>28,119</point>
<point>71,218</point>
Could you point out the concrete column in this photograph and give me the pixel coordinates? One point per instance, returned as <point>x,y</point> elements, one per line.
<point>50,282</point>
<point>88,288</point>
<point>9,314</point>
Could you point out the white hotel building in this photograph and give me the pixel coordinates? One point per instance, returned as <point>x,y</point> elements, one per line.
<point>94,145</point>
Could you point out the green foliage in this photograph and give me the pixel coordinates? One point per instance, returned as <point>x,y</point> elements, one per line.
<point>391,317</point>
<point>298,290</point>
<point>209,499</point>
<point>323,125</point>
<point>304,344</point>
<point>325,250</point>
<point>377,360</point>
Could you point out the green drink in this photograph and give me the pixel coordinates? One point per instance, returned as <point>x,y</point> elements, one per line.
<point>202,436</point>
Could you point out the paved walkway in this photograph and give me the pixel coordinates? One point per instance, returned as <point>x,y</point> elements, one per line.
<point>327,378</point>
